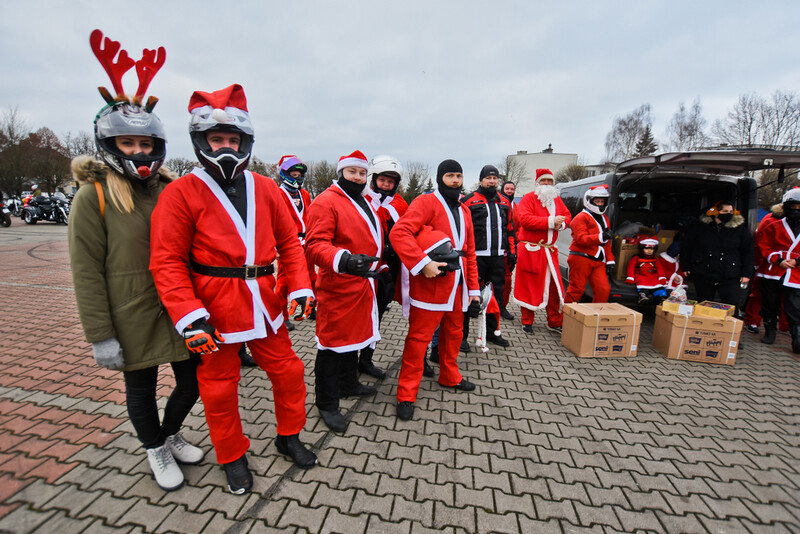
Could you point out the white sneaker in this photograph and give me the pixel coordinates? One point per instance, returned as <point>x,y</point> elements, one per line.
<point>183,451</point>
<point>169,476</point>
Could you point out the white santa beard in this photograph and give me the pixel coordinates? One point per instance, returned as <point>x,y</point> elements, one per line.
<point>546,194</point>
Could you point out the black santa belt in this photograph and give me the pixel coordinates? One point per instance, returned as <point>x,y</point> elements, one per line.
<point>245,272</point>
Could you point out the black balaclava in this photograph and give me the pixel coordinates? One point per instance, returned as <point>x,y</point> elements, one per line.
<point>488,192</point>
<point>502,192</point>
<point>450,194</point>
<point>791,210</point>
<point>356,192</point>
<point>383,193</point>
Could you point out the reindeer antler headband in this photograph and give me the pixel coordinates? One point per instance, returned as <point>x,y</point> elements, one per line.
<point>146,68</point>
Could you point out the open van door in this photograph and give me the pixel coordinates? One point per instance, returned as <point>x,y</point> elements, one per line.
<point>722,161</point>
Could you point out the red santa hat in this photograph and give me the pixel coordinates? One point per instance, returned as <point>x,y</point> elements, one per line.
<point>649,242</point>
<point>544,174</point>
<point>226,107</point>
<point>356,159</point>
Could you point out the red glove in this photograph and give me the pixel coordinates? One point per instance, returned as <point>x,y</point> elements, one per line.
<point>201,337</point>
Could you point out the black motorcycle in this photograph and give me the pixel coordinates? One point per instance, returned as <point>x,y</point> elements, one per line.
<point>44,208</point>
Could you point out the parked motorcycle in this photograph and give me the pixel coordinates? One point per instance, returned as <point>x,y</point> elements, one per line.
<point>5,215</point>
<point>42,208</point>
<point>14,205</point>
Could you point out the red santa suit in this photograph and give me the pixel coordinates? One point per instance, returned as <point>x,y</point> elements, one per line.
<point>646,273</point>
<point>764,269</point>
<point>538,278</point>
<point>589,256</point>
<point>299,214</point>
<point>195,222</point>
<point>347,311</point>
<point>441,299</point>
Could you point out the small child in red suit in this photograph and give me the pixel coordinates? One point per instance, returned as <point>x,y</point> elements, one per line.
<point>647,273</point>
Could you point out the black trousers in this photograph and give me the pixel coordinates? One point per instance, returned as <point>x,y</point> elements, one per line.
<point>334,372</point>
<point>730,292</point>
<point>791,306</point>
<point>771,291</point>
<point>140,399</point>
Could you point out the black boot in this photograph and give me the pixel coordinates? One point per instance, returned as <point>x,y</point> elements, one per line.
<point>365,364</point>
<point>294,448</point>
<point>770,331</point>
<point>795,331</point>
<point>245,357</point>
<point>349,386</point>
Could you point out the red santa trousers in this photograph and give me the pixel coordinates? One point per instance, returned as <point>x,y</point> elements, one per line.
<point>583,270</point>
<point>421,325</point>
<point>555,315</point>
<point>218,378</point>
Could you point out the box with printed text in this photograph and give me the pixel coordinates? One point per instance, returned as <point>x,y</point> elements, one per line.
<point>696,338</point>
<point>600,330</point>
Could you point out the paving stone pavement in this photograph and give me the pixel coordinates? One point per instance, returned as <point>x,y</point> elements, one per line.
<point>548,443</point>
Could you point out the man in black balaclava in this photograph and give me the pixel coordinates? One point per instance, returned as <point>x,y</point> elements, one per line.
<point>490,219</point>
<point>776,245</point>
<point>437,296</point>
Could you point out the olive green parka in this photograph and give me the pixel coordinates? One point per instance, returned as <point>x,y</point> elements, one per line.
<point>110,259</point>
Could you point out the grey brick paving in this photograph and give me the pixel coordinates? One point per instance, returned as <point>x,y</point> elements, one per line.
<point>548,443</point>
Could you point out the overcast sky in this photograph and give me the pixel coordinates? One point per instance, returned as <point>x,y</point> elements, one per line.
<point>420,80</point>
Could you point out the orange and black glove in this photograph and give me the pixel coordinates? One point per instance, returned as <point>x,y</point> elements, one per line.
<point>201,337</point>
<point>305,305</point>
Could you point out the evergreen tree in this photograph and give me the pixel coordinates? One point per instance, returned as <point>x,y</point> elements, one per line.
<point>646,145</point>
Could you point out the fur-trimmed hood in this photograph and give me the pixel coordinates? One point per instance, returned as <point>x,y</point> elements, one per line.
<point>777,210</point>
<point>737,220</point>
<point>87,170</point>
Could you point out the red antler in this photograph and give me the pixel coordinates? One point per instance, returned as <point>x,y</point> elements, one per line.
<point>106,57</point>
<point>147,67</point>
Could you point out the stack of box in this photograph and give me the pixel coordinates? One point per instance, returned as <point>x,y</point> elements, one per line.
<point>600,330</point>
<point>697,337</point>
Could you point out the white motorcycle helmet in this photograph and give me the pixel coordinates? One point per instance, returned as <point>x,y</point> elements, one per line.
<point>384,165</point>
<point>598,191</point>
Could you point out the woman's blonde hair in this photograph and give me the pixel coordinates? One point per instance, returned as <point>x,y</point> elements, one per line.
<point>120,191</point>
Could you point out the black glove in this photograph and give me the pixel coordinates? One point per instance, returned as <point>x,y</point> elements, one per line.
<point>303,305</point>
<point>201,337</point>
<point>474,309</point>
<point>607,234</point>
<point>357,265</point>
<point>511,261</point>
<point>610,269</point>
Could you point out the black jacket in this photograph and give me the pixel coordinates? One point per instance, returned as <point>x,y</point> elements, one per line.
<point>489,222</point>
<point>718,253</point>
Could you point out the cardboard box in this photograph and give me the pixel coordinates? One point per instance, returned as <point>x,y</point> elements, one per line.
<point>715,310</point>
<point>623,252</point>
<point>600,330</point>
<point>684,308</point>
<point>665,237</point>
<point>696,338</point>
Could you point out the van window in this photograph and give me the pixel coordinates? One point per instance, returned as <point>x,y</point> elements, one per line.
<point>573,198</point>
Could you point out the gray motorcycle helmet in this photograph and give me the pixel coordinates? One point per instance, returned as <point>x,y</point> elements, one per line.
<point>130,119</point>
